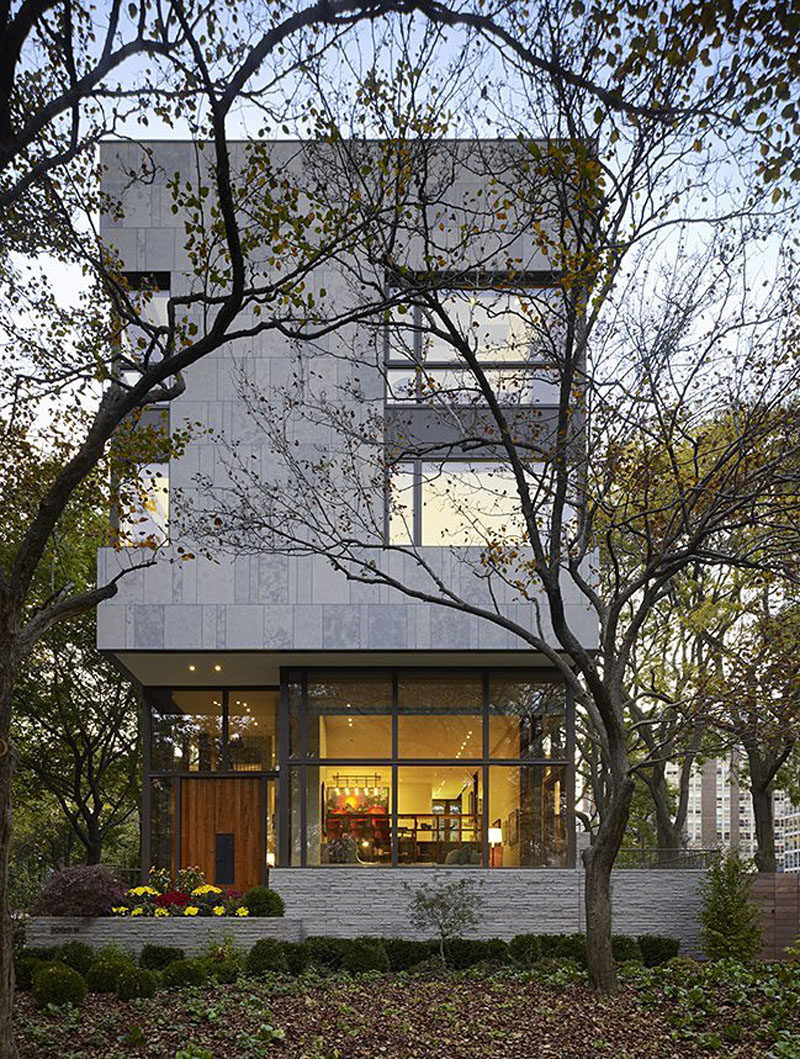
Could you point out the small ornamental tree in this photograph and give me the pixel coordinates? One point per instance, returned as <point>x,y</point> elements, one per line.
<point>448,910</point>
<point>731,921</point>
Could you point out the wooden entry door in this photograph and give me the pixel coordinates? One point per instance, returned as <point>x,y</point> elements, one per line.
<point>222,830</point>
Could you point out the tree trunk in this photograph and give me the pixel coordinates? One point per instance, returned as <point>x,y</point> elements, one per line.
<point>763,815</point>
<point>599,860</point>
<point>94,843</point>
<point>8,1049</point>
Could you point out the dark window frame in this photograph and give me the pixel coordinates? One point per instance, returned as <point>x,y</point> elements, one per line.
<point>298,766</point>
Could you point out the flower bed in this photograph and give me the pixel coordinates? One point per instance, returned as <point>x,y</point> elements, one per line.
<point>203,900</point>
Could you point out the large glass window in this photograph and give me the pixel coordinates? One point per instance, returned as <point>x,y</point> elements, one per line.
<point>420,767</point>
<point>213,730</point>
<point>439,716</point>
<point>143,507</point>
<point>528,825</point>
<point>440,815</point>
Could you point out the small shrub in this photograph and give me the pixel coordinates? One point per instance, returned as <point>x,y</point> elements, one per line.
<point>467,952</point>
<point>136,982</point>
<point>731,922</point>
<point>55,983</point>
<point>657,949</point>
<point>365,954</point>
<point>449,910</point>
<point>225,972</point>
<point>685,965</point>
<point>182,973</point>
<point>625,949</point>
<point>25,968</point>
<point>525,949</point>
<point>261,901</point>
<point>325,952</point>
<point>565,946</point>
<point>85,890</point>
<point>266,955</point>
<point>297,956</point>
<point>157,957</point>
<point>403,954</point>
<point>77,955</point>
<point>45,954</point>
<point>103,974</point>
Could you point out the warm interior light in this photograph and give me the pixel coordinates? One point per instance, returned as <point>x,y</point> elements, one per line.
<point>495,836</point>
<point>191,669</point>
<point>217,667</point>
<point>557,794</point>
<point>270,860</point>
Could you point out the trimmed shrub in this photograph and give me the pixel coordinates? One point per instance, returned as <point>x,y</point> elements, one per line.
<point>325,952</point>
<point>625,949</point>
<point>46,955</point>
<point>403,954</point>
<point>136,982</point>
<point>226,971</point>
<point>182,973</point>
<point>657,949</point>
<point>297,956</point>
<point>77,955</point>
<point>103,974</point>
<point>684,965</point>
<point>25,968</point>
<point>266,955</point>
<point>85,890</point>
<point>157,957</point>
<point>565,947</point>
<point>731,922</point>
<point>55,983</point>
<point>467,952</point>
<point>525,949</point>
<point>261,901</point>
<point>365,954</point>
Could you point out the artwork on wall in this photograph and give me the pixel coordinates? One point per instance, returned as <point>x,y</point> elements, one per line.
<point>513,827</point>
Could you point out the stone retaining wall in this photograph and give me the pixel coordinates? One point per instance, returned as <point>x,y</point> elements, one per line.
<point>350,901</point>
<point>191,935</point>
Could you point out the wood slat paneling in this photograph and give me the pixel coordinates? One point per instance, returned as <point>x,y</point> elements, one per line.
<point>229,805</point>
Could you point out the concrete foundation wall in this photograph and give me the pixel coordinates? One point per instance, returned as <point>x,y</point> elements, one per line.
<point>350,901</point>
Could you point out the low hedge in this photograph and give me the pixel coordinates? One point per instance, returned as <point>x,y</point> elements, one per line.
<point>564,947</point>
<point>261,901</point>
<point>462,953</point>
<point>77,955</point>
<point>625,949</point>
<point>326,953</point>
<point>157,957</point>
<point>525,950</point>
<point>136,982</point>
<point>267,955</point>
<point>657,949</point>
<point>25,967</point>
<point>404,954</point>
<point>103,975</point>
<point>365,954</point>
<point>182,973</point>
<point>55,983</point>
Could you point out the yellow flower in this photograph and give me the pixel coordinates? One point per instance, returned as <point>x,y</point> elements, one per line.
<point>143,891</point>
<point>138,911</point>
<point>191,910</point>
<point>206,889</point>
<point>121,910</point>
<point>242,911</point>
<point>162,912</point>
<point>218,910</point>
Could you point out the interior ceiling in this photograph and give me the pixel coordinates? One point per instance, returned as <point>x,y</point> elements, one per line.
<point>262,668</point>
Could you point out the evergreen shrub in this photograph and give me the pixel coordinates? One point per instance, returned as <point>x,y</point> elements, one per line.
<point>525,949</point>
<point>266,955</point>
<point>182,973</point>
<point>261,901</point>
<point>365,954</point>
<point>136,982</point>
<point>55,983</point>
<point>157,957</point>
<point>77,955</point>
<point>657,949</point>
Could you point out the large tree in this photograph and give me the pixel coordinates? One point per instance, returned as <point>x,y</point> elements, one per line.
<point>649,336</point>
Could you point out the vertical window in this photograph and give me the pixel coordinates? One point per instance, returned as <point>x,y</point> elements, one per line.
<point>144,507</point>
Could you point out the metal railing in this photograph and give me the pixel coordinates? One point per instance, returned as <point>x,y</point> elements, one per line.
<point>643,857</point>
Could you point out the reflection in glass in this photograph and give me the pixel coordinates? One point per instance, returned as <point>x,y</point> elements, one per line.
<point>162,810</point>
<point>470,503</point>
<point>252,730</point>
<point>439,715</point>
<point>187,731</point>
<point>440,815</point>
<point>401,504</point>
<point>144,507</point>
<point>528,806</point>
<point>349,715</point>
<point>526,719</point>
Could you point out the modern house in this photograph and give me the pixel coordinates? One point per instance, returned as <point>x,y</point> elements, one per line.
<point>295,720</point>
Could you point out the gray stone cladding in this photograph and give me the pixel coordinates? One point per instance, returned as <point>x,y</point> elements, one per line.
<point>347,902</point>
<point>131,934</point>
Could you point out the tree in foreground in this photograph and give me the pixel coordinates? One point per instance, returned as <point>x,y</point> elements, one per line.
<point>731,921</point>
<point>669,379</point>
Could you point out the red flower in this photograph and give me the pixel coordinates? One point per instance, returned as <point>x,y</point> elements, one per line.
<point>172,898</point>
<point>231,895</point>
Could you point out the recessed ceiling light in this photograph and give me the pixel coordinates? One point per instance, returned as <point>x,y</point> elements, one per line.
<point>191,669</point>
<point>217,667</point>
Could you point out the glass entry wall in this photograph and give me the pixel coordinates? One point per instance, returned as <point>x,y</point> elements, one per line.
<point>210,764</point>
<point>425,768</point>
